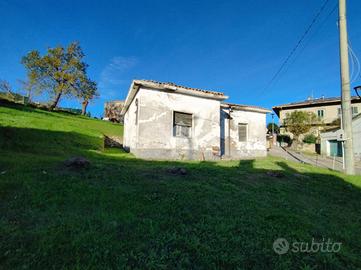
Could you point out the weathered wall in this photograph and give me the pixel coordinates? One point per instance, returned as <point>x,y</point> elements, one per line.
<point>325,137</point>
<point>130,128</point>
<point>154,132</point>
<point>256,145</point>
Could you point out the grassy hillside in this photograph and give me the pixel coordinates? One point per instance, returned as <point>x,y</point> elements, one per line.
<point>122,212</point>
<point>35,131</point>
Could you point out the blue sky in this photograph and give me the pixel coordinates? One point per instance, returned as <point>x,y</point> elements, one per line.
<point>230,46</point>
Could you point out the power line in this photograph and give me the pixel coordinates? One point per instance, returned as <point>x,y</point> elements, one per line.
<point>355,64</point>
<point>297,45</point>
<point>306,43</point>
<point>313,35</point>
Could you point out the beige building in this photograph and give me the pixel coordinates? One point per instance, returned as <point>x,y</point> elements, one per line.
<point>328,111</point>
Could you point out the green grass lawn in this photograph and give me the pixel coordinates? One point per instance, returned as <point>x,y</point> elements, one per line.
<point>123,212</point>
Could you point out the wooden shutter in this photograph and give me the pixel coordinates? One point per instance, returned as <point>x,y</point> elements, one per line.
<point>242,132</point>
<point>182,119</point>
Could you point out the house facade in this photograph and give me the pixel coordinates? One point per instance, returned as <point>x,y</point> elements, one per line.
<point>243,130</point>
<point>328,111</point>
<point>168,121</point>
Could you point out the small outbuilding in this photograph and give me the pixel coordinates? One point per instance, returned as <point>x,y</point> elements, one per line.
<point>169,121</point>
<point>331,145</point>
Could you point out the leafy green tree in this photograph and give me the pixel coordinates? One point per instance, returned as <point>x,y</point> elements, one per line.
<point>60,72</point>
<point>299,122</point>
<point>87,91</point>
<point>276,129</point>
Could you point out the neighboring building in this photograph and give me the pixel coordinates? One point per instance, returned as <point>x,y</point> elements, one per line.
<point>112,111</point>
<point>168,121</point>
<point>328,111</point>
<point>330,146</point>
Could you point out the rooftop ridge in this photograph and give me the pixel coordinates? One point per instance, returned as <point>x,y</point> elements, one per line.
<point>181,86</point>
<point>314,101</point>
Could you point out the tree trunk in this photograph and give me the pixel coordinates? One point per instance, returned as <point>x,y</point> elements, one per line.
<point>56,101</point>
<point>84,105</point>
<point>296,143</point>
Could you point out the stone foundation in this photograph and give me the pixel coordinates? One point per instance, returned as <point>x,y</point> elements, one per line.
<point>184,154</point>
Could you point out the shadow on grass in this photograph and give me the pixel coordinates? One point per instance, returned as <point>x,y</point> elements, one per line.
<point>46,142</point>
<point>124,212</point>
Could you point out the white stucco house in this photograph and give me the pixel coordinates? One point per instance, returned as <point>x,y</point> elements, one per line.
<point>331,146</point>
<point>168,121</point>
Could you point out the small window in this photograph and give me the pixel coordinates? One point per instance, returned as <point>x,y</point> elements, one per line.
<point>320,113</point>
<point>354,110</point>
<point>182,124</point>
<point>242,132</point>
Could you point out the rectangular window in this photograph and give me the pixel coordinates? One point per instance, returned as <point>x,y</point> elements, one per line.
<point>320,113</point>
<point>354,110</point>
<point>242,132</point>
<point>182,124</point>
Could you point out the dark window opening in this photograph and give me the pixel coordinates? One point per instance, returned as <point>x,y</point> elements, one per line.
<point>182,124</point>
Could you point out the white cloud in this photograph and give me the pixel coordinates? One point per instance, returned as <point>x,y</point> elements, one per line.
<point>113,76</point>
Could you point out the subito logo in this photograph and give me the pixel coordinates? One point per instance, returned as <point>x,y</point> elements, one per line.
<point>281,246</point>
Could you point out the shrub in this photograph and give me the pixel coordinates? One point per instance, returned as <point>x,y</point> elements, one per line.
<point>310,139</point>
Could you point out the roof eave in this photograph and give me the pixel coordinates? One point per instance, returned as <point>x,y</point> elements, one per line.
<point>313,103</point>
<point>133,89</point>
<point>136,84</point>
<point>247,108</point>
<point>181,90</point>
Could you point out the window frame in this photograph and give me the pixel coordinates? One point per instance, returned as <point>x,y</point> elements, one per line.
<point>246,125</point>
<point>323,113</point>
<point>174,133</point>
<point>354,110</point>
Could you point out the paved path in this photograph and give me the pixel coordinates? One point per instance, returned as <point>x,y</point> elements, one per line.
<point>315,160</point>
<point>277,151</point>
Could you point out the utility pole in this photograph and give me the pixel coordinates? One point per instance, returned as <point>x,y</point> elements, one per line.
<point>273,124</point>
<point>345,91</point>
